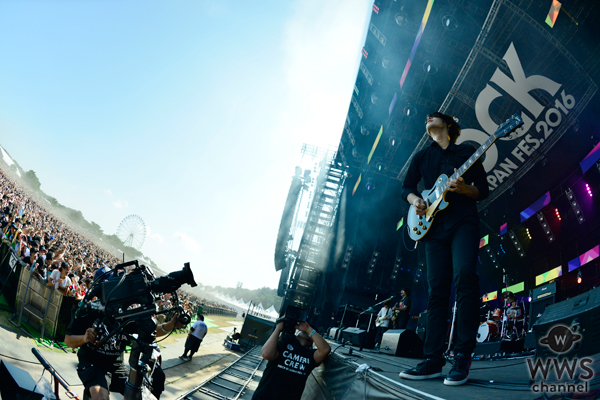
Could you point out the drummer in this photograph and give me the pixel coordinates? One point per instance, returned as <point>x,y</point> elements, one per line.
<point>512,309</point>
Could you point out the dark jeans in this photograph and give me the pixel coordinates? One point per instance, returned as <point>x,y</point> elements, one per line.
<point>401,322</point>
<point>380,331</point>
<point>452,256</point>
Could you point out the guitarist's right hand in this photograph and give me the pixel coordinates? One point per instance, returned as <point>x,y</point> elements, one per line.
<point>419,206</point>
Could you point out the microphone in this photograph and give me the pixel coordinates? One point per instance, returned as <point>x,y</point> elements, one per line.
<point>53,372</point>
<point>41,359</point>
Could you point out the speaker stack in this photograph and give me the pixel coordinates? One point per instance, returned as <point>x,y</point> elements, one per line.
<point>542,297</point>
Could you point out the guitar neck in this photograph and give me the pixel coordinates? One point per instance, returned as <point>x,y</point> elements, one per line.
<point>476,156</point>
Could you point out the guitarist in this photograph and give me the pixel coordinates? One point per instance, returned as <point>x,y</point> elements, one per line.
<point>383,322</point>
<point>402,310</point>
<point>451,247</point>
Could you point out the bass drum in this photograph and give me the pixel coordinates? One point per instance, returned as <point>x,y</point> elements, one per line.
<point>486,331</point>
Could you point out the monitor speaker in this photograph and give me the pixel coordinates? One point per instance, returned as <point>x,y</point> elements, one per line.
<point>573,323</point>
<point>401,343</point>
<point>354,335</point>
<point>17,383</point>
<point>334,333</point>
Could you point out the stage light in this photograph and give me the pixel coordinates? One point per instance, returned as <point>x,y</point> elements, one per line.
<point>401,18</point>
<point>587,187</point>
<point>355,152</point>
<point>528,234</point>
<point>370,184</point>
<point>449,22</point>
<point>557,214</point>
<point>364,52</point>
<point>394,140</point>
<point>529,299</point>
<point>386,63</point>
<point>374,98</point>
<point>364,130</point>
<point>410,110</point>
<point>579,279</point>
<point>430,67</point>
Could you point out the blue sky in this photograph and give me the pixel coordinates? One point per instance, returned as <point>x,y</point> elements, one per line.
<point>190,114</point>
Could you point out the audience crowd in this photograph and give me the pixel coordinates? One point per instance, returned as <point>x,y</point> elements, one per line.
<point>58,253</point>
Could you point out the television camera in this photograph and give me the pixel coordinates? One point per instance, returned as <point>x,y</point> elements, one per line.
<point>127,298</point>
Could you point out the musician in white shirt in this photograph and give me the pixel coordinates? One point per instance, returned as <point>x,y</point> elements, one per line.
<point>383,321</point>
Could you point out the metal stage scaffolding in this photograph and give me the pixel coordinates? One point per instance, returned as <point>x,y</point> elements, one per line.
<point>315,246</point>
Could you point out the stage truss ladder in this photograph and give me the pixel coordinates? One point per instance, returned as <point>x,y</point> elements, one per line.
<point>229,384</point>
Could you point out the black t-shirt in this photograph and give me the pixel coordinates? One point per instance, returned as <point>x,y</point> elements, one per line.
<point>405,314</point>
<point>285,377</point>
<point>433,161</point>
<point>110,353</point>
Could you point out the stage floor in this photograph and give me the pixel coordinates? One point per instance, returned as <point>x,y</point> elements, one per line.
<point>506,379</point>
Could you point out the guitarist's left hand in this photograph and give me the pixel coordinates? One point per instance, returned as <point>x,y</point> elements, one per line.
<point>458,185</point>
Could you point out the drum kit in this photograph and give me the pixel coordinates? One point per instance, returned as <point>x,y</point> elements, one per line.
<point>507,323</point>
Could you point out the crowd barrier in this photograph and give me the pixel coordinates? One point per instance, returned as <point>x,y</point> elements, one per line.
<point>42,308</point>
<point>208,310</point>
<point>10,271</point>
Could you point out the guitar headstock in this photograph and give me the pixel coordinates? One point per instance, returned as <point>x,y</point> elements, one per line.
<point>508,127</point>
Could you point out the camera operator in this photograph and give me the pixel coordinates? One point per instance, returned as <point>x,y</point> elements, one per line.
<point>290,361</point>
<point>102,370</point>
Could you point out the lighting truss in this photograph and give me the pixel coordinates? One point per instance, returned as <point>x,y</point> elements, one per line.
<point>575,205</point>
<point>347,256</point>
<point>542,219</point>
<point>372,263</point>
<point>492,256</point>
<point>396,268</point>
<point>515,239</point>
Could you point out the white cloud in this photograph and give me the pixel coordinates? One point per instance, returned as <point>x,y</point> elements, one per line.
<point>188,242</point>
<point>121,203</point>
<point>155,236</point>
<point>108,192</point>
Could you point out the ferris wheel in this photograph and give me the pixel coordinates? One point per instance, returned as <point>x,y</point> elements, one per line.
<point>132,231</point>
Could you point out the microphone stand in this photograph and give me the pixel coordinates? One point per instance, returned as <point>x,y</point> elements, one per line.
<point>57,378</point>
<point>374,305</point>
